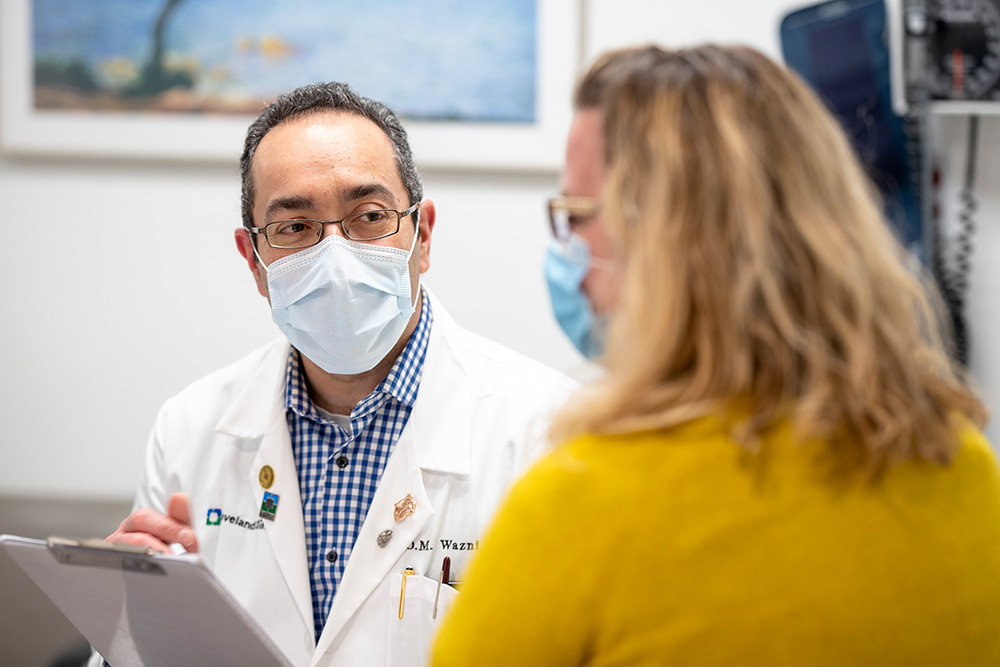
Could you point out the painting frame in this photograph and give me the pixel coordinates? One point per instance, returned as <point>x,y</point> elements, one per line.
<point>531,147</point>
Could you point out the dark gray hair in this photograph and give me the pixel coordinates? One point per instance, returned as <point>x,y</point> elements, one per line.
<point>322,97</point>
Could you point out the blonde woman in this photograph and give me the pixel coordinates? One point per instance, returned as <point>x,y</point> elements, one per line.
<point>782,466</point>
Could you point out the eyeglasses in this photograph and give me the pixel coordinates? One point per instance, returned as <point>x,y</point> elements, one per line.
<point>568,213</point>
<point>364,226</point>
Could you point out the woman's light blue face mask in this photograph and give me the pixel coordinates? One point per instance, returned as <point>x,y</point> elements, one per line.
<point>566,265</point>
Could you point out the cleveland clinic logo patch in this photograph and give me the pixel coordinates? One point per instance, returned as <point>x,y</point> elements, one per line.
<point>216,517</point>
<point>269,507</point>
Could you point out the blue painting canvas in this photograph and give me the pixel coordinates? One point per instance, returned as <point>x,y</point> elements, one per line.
<point>430,60</point>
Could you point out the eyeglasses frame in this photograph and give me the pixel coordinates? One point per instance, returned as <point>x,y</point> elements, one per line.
<point>414,210</point>
<point>582,207</point>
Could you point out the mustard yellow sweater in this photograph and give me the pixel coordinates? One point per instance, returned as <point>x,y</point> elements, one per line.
<point>670,548</point>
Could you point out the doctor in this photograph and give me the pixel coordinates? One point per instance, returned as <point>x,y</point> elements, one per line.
<point>376,436</point>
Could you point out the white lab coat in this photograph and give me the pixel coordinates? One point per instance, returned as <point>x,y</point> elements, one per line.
<point>478,420</point>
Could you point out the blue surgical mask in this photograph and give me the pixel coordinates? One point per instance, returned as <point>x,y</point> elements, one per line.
<point>341,303</point>
<point>566,265</point>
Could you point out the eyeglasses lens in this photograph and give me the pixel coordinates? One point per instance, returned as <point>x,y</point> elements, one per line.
<point>370,225</point>
<point>294,233</point>
<point>559,219</point>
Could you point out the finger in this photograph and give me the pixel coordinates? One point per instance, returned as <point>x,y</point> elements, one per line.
<point>138,540</point>
<point>179,509</point>
<point>164,528</point>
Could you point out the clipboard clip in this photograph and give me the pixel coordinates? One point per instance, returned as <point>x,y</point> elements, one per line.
<point>96,552</point>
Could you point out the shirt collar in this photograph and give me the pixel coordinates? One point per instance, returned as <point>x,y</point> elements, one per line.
<point>402,382</point>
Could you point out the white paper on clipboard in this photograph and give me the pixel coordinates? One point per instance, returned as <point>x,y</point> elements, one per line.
<point>141,610</point>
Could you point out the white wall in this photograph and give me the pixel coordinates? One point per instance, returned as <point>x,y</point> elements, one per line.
<point>616,23</point>
<point>130,286</point>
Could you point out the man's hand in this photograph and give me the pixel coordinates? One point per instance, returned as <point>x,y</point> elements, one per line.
<point>148,528</point>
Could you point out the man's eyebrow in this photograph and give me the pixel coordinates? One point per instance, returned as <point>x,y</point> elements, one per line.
<point>302,203</point>
<point>367,190</point>
<point>295,203</point>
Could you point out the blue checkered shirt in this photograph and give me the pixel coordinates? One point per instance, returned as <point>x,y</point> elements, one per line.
<point>339,470</point>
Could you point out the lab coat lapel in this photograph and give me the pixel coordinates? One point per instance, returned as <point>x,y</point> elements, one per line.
<point>285,532</point>
<point>262,400</point>
<point>437,437</point>
<point>259,412</point>
<point>369,563</point>
<point>442,412</point>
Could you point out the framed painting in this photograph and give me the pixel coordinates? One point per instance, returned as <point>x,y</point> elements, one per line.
<point>481,85</point>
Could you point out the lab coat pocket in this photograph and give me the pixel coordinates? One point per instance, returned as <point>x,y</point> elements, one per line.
<point>412,625</point>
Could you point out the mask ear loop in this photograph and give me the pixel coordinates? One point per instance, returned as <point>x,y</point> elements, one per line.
<point>413,245</point>
<point>253,244</point>
<point>609,265</point>
<point>416,232</point>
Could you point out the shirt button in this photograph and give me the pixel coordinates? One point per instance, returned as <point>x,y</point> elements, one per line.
<point>342,462</point>
<point>331,555</point>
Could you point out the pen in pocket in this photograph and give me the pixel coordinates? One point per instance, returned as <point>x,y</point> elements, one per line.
<point>402,591</point>
<point>442,578</point>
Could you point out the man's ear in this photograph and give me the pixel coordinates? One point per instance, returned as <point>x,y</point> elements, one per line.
<point>427,218</point>
<point>244,243</point>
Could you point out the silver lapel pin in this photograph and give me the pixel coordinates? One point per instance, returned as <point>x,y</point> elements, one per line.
<point>383,538</point>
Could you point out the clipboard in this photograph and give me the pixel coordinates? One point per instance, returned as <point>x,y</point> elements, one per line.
<point>144,609</point>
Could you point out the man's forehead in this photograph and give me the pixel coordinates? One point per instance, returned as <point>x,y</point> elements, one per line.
<point>326,139</point>
<point>342,126</point>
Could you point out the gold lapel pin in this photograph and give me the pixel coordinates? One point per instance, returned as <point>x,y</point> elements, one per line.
<point>266,477</point>
<point>404,508</point>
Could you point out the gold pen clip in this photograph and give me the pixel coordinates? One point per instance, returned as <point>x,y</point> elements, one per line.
<point>402,591</point>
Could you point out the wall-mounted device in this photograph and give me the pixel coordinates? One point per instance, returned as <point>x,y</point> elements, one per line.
<point>951,65</point>
<point>948,53</point>
<point>841,49</point>
<point>952,48</point>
